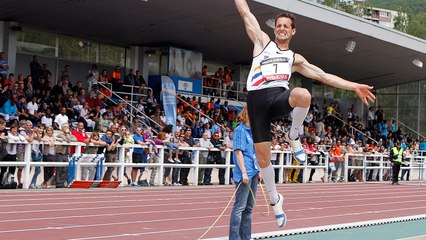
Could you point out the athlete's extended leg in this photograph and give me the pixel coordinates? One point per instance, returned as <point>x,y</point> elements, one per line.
<point>263,154</point>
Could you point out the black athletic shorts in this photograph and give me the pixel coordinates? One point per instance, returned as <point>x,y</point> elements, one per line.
<point>264,106</point>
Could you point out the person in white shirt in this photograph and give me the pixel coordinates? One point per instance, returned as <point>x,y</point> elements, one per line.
<point>32,108</point>
<point>47,120</point>
<point>204,142</point>
<point>61,118</point>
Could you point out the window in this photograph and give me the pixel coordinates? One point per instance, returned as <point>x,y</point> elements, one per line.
<point>111,55</point>
<point>410,88</point>
<point>36,43</point>
<point>386,100</point>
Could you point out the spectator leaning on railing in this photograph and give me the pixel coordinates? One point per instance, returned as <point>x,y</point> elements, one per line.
<point>62,153</point>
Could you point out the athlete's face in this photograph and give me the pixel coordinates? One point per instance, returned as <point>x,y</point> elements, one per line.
<point>283,30</point>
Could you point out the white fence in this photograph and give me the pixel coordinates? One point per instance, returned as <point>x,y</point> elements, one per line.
<point>380,165</point>
<point>367,163</point>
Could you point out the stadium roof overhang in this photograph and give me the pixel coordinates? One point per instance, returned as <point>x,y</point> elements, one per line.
<point>382,57</point>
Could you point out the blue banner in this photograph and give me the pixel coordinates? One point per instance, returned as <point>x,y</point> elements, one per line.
<point>188,85</point>
<point>168,93</point>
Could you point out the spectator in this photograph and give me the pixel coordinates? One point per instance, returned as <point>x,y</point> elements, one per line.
<point>151,103</point>
<point>110,153</point>
<point>86,117</point>
<point>115,79</point>
<point>138,156</point>
<point>204,142</point>
<point>36,70</point>
<point>140,80</point>
<point>186,156</point>
<point>11,148</point>
<point>65,75</point>
<point>9,110</point>
<point>103,78</point>
<point>46,75</point>
<point>32,108</point>
<point>62,152</point>
<point>88,173</point>
<point>81,135</point>
<point>130,79</point>
<point>215,158</point>
<point>93,76</point>
<point>61,118</point>
<point>49,154</point>
<point>36,155</point>
<point>4,67</point>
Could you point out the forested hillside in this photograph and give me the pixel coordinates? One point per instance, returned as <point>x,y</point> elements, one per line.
<point>416,10</point>
<point>415,6</point>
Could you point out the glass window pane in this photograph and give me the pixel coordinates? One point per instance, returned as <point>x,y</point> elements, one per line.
<point>154,64</point>
<point>389,113</point>
<point>34,42</point>
<point>111,55</point>
<point>411,88</point>
<point>386,100</point>
<point>387,90</point>
<point>328,91</point>
<point>318,90</point>
<point>423,102</point>
<point>341,93</point>
<point>408,116</point>
<point>423,87</point>
<point>164,64</point>
<point>410,101</point>
<point>76,49</point>
<point>422,129</point>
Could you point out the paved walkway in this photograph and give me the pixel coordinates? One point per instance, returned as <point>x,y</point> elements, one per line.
<point>411,230</point>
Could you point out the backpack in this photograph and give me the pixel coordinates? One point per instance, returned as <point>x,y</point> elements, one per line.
<point>8,181</point>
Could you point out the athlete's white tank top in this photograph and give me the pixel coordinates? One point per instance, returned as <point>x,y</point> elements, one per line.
<point>271,68</point>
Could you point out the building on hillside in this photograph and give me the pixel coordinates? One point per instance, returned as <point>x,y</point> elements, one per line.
<point>384,17</point>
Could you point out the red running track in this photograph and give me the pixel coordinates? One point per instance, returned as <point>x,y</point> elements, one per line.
<point>187,212</point>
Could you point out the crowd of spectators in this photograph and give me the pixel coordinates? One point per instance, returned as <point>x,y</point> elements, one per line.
<point>36,107</point>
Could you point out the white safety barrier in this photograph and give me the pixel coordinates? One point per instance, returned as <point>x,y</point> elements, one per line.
<point>284,164</point>
<point>380,164</point>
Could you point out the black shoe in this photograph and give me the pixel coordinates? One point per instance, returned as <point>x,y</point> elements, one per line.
<point>200,183</point>
<point>129,182</point>
<point>20,186</point>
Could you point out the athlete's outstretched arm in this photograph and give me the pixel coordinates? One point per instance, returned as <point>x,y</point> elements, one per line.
<point>259,38</point>
<point>302,66</point>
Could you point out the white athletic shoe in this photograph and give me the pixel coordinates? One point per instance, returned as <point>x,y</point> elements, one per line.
<point>298,151</point>
<point>278,211</point>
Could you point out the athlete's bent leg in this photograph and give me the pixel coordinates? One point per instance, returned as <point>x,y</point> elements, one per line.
<point>299,100</point>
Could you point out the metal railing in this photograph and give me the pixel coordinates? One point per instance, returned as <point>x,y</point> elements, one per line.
<point>234,91</point>
<point>284,164</point>
<point>131,106</point>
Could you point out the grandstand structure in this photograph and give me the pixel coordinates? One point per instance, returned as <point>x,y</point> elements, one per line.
<point>137,34</point>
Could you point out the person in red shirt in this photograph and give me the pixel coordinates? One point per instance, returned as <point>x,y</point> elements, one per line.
<point>81,135</point>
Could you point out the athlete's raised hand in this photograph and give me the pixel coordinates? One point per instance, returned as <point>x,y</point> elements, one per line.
<point>364,93</point>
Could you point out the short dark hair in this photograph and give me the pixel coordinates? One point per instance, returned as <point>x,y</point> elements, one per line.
<point>287,15</point>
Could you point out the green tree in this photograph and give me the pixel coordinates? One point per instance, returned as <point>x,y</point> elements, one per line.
<point>401,21</point>
<point>417,25</point>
